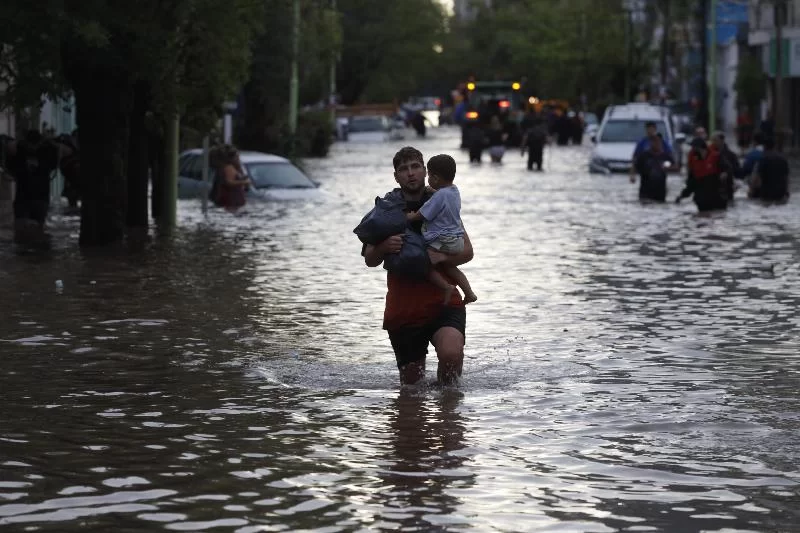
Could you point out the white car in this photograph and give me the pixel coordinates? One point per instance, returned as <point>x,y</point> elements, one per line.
<point>273,177</point>
<point>622,128</point>
<point>374,128</point>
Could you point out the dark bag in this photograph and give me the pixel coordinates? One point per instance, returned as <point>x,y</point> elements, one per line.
<point>387,218</point>
<point>384,220</point>
<point>412,260</point>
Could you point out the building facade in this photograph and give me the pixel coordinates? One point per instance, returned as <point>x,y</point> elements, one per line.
<point>762,36</point>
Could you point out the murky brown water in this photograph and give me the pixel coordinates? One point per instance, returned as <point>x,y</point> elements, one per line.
<point>628,368</point>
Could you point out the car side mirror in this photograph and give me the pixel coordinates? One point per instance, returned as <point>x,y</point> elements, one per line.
<point>680,138</point>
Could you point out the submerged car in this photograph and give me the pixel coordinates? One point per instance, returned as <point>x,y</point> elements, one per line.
<point>374,128</point>
<point>273,177</point>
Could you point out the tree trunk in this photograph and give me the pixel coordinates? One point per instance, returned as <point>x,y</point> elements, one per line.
<point>664,59</point>
<point>155,154</point>
<point>103,110</point>
<point>138,162</point>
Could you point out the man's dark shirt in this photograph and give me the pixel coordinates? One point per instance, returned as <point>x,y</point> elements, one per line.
<point>730,161</point>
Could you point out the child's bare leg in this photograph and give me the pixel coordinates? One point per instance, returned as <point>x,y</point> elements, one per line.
<point>436,256</point>
<point>463,283</point>
<point>437,279</point>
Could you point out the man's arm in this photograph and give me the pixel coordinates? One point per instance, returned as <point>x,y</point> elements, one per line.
<point>668,149</point>
<point>749,164</point>
<point>374,254</point>
<point>413,216</point>
<point>634,159</point>
<point>637,150</point>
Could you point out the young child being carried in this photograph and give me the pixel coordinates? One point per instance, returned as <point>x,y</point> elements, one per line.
<point>442,228</point>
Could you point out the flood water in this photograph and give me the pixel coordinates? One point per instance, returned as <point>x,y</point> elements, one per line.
<point>628,368</point>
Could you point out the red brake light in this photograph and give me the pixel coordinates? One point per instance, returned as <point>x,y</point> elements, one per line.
<point>503,104</point>
<point>438,101</point>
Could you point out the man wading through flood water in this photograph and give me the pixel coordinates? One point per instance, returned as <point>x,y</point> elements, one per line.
<point>414,315</point>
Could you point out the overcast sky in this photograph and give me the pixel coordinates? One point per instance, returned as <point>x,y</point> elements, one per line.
<point>448,4</point>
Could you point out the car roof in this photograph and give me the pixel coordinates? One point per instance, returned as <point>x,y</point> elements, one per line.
<point>247,156</point>
<point>637,111</point>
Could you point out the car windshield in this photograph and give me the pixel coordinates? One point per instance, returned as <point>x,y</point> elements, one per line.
<point>277,176</point>
<point>367,124</point>
<point>628,131</point>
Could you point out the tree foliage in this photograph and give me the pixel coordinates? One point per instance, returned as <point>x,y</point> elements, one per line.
<point>565,48</point>
<point>389,48</point>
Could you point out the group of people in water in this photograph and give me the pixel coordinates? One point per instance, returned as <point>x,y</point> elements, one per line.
<point>713,170</point>
<point>531,134</point>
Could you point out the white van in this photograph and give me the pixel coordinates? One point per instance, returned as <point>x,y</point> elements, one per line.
<point>621,128</point>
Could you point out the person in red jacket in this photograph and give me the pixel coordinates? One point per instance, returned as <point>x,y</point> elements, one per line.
<point>706,178</point>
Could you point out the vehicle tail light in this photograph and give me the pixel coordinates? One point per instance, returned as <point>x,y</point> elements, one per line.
<point>472,114</point>
<point>504,104</point>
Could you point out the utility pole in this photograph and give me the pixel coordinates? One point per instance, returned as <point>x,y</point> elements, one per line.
<point>332,79</point>
<point>712,82</point>
<point>702,112</point>
<point>168,218</point>
<point>665,43</point>
<point>584,66</point>
<point>205,174</point>
<point>779,7</point>
<point>628,48</point>
<point>294,83</point>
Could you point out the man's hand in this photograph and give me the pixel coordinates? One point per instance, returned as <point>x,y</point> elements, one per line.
<point>373,255</point>
<point>392,245</point>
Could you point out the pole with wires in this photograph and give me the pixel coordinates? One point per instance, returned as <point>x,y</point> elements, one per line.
<point>712,78</point>
<point>778,113</point>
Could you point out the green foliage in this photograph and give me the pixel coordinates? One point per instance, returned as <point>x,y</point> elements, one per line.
<point>388,48</point>
<point>262,121</point>
<point>564,48</point>
<point>750,83</point>
<point>193,54</point>
<point>314,133</point>
<point>29,51</point>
